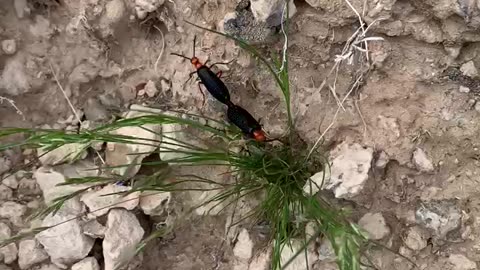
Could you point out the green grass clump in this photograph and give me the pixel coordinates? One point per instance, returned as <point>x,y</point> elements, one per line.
<point>275,173</point>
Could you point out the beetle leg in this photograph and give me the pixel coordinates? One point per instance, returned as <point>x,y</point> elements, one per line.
<point>189,77</point>
<point>203,94</point>
<point>219,74</point>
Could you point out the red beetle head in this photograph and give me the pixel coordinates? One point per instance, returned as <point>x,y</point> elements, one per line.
<point>259,135</point>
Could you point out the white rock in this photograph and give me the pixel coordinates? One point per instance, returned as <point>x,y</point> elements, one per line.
<point>382,160</point>
<point>244,246</point>
<point>439,216</point>
<point>10,181</point>
<point>123,235</point>
<point>326,251</point>
<point>154,203</point>
<point>416,239</point>
<point>317,181</point>
<point>48,267</point>
<point>5,193</point>
<point>463,89</point>
<point>349,170</point>
<point>99,202</point>
<point>66,243</point>
<point>119,154</point>
<point>477,106</point>
<point>150,89</point>
<point>270,11</point>
<point>21,8</point>
<point>288,251</point>
<point>421,161</point>
<point>13,211</point>
<point>89,263</point>
<point>469,69</point>
<point>5,163</point>
<point>114,11</point>
<point>172,134</point>
<point>94,229</point>
<point>9,46</point>
<point>143,7</point>
<point>41,27</point>
<point>14,78</point>
<point>30,253</point>
<point>65,153</point>
<point>460,262</point>
<point>9,252</point>
<point>453,51</point>
<point>375,225</point>
<point>48,179</point>
<point>261,261</point>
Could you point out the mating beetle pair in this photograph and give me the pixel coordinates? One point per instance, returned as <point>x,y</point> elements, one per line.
<point>236,114</point>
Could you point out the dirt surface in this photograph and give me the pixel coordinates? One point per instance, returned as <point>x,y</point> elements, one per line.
<point>410,97</point>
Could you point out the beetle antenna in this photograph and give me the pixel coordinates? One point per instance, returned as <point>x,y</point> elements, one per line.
<point>194,41</point>
<point>183,56</point>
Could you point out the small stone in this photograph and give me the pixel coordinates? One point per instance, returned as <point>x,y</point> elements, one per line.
<point>99,202</point>
<point>119,154</point>
<point>28,187</point>
<point>50,182</point>
<point>21,8</point>
<point>41,27</point>
<point>175,134</point>
<point>463,89</point>
<point>123,235</point>
<point>9,252</point>
<point>316,182</point>
<point>460,262</point>
<point>477,107</point>
<point>5,193</point>
<point>291,249</point>
<point>13,211</point>
<point>94,229</point>
<point>65,243</point>
<point>349,170</point>
<point>9,46</point>
<point>48,267</point>
<point>30,253</point>
<point>375,225</point>
<point>244,246</point>
<point>5,163</point>
<point>114,11</point>
<point>421,161</point>
<point>65,153</point>
<point>15,80</point>
<point>11,182</point>
<point>270,11</point>
<point>453,51</point>
<point>150,89</point>
<point>439,216</point>
<point>382,160</point>
<point>154,203</point>
<point>416,239</point>
<point>326,251</point>
<point>469,69</point>
<point>94,111</point>
<point>89,263</point>
<point>143,7</point>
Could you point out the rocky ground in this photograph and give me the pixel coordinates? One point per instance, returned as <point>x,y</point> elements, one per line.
<point>402,132</point>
